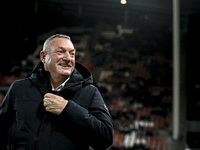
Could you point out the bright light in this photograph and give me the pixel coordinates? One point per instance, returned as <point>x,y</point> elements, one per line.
<point>123,2</point>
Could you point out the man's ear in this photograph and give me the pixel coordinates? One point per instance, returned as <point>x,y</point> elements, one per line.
<point>42,56</point>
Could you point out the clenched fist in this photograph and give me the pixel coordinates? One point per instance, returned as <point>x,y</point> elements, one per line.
<point>54,103</point>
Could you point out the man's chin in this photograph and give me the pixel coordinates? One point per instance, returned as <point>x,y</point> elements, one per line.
<point>66,73</point>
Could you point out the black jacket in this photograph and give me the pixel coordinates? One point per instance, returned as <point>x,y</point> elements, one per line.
<point>84,122</point>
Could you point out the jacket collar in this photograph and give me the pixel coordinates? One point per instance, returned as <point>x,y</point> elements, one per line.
<point>80,77</point>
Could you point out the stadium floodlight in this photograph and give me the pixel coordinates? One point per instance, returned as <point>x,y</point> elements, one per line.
<point>123,2</point>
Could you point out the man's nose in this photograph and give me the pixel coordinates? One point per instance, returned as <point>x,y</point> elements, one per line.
<point>66,56</point>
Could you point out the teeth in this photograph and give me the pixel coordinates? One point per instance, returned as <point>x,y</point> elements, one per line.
<point>63,65</point>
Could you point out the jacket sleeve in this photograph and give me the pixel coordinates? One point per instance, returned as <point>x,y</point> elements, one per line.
<point>6,119</point>
<point>94,122</point>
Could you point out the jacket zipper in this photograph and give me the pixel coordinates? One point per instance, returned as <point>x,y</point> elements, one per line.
<point>38,131</point>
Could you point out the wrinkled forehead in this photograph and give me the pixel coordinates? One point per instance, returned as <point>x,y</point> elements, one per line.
<point>61,42</point>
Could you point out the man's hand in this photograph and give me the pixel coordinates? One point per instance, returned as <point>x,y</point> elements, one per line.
<point>54,103</point>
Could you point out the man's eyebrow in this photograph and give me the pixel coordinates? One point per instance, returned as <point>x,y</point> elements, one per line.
<point>60,47</point>
<point>73,49</point>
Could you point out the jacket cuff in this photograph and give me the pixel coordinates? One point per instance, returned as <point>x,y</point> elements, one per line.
<point>65,109</point>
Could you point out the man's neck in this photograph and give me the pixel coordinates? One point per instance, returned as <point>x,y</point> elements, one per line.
<point>60,86</point>
<point>56,82</point>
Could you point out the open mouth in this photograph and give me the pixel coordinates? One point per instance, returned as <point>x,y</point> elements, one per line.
<point>65,65</point>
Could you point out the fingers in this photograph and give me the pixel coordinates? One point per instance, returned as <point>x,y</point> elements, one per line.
<point>47,100</point>
<point>54,103</point>
<point>46,104</point>
<point>48,95</point>
<point>47,109</point>
<point>51,104</point>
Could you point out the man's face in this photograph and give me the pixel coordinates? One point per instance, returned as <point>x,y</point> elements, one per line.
<point>60,60</point>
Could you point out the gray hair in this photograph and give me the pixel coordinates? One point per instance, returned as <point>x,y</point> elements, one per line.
<point>46,43</point>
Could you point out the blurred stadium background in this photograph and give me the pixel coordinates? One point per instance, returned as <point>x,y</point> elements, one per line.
<point>127,45</point>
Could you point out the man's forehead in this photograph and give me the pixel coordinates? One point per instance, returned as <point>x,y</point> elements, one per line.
<point>62,42</point>
<point>66,48</point>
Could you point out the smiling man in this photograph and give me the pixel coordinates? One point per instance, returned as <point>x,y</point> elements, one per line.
<point>58,56</point>
<point>57,107</point>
